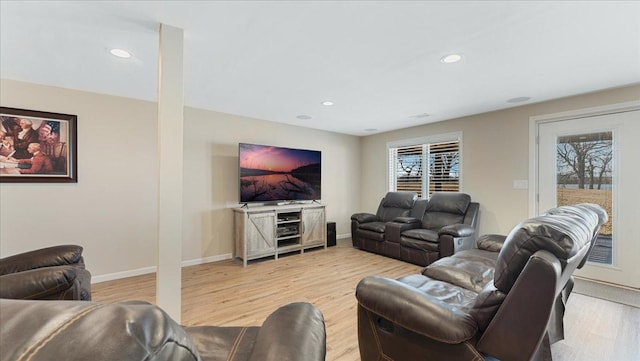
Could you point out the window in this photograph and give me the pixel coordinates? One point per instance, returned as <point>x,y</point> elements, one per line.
<point>439,156</point>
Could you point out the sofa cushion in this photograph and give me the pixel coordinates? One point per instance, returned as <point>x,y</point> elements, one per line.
<point>488,256</point>
<point>445,208</point>
<point>374,226</point>
<point>472,269</point>
<point>425,235</point>
<point>453,295</point>
<point>399,200</point>
<point>418,244</point>
<point>396,204</point>
<point>365,234</point>
<point>449,202</point>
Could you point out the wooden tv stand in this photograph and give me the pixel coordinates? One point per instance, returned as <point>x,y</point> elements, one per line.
<point>266,231</point>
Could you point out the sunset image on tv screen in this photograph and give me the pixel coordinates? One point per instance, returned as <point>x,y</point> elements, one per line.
<point>270,173</point>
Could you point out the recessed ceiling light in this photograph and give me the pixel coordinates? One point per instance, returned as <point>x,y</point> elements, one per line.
<point>450,59</point>
<point>327,103</point>
<point>518,100</point>
<point>303,117</point>
<point>423,115</point>
<point>120,53</point>
<point>371,130</point>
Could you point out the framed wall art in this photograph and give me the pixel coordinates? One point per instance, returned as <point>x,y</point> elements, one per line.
<point>38,147</point>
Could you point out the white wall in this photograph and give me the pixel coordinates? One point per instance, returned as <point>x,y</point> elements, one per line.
<point>112,210</point>
<point>495,152</point>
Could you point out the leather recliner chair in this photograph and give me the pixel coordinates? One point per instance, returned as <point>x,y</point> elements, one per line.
<point>446,223</point>
<point>368,230</point>
<point>53,273</point>
<point>494,301</point>
<point>137,331</point>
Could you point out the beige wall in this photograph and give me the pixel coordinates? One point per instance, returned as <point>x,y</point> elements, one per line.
<point>211,173</point>
<point>495,152</point>
<point>112,210</point>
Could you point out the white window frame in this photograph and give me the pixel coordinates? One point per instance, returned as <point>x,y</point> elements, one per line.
<point>439,138</point>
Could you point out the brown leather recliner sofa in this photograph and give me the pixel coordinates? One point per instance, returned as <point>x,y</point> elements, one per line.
<point>53,273</point>
<point>493,301</point>
<point>423,232</point>
<point>368,230</point>
<point>137,331</point>
<point>447,225</point>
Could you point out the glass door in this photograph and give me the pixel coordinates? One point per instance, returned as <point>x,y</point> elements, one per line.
<point>594,160</point>
<point>584,174</point>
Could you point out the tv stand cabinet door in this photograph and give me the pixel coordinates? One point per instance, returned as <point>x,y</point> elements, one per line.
<point>259,235</point>
<point>314,228</point>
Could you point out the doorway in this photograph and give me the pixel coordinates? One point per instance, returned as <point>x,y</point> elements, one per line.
<point>591,156</point>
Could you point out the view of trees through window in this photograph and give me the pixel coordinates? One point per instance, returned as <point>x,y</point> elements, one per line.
<point>585,174</point>
<point>407,165</point>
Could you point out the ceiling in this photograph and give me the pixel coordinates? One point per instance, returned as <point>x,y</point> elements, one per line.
<point>378,61</point>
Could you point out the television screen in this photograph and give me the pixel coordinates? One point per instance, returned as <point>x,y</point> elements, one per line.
<point>271,174</point>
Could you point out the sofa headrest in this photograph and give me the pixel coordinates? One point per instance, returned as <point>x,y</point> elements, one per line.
<point>91,331</point>
<point>449,202</point>
<point>403,200</point>
<point>564,232</point>
<point>579,211</point>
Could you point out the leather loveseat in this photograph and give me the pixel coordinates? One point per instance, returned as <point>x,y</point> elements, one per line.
<point>137,331</point>
<point>447,225</point>
<point>53,273</point>
<point>493,301</point>
<point>419,231</point>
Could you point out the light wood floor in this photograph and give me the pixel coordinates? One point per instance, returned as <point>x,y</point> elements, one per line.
<point>226,294</point>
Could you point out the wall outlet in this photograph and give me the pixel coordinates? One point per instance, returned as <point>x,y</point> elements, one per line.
<point>520,184</point>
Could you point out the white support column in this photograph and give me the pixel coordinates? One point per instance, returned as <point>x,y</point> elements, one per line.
<point>170,134</point>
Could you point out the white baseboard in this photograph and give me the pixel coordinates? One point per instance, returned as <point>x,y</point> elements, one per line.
<point>122,274</point>
<point>152,269</point>
<point>344,235</point>
<point>198,261</point>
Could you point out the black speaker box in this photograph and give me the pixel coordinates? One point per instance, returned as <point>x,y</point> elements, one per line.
<point>331,234</point>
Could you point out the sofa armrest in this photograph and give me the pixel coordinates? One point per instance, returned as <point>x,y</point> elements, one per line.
<point>491,242</point>
<point>41,283</point>
<point>409,308</point>
<point>45,257</point>
<point>457,230</point>
<point>293,332</point>
<point>393,230</point>
<point>364,217</point>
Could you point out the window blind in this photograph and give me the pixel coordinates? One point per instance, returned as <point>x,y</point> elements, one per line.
<point>444,167</point>
<point>425,168</point>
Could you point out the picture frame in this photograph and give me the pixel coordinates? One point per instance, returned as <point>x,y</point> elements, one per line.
<point>38,146</point>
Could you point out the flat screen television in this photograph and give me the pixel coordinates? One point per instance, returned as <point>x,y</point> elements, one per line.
<point>271,174</point>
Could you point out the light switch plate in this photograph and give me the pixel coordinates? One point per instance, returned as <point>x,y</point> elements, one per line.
<point>520,184</point>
